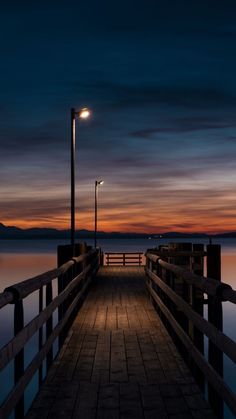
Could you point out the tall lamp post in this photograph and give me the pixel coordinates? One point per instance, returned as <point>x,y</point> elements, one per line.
<point>82,114</point>
<point>97,183</point>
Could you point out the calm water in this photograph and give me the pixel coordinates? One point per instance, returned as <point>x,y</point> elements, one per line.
<point>22,259</point>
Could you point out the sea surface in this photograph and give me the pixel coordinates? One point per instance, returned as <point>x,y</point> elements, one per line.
<point>23,259</point>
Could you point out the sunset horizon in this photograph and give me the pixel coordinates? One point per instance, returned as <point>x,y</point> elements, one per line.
<point>160,129</point>
<point>139,229</point>
<point>118,209</point>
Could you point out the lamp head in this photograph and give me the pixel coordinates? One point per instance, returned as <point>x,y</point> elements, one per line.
<point>84,113</point>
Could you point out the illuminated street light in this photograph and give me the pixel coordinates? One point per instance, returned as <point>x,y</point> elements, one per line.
<point>82,113</point>
<point>97,183</point>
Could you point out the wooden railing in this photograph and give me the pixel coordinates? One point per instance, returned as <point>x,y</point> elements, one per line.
<point>179,311</point>
<point>74,277</point>
<point>123,259</point>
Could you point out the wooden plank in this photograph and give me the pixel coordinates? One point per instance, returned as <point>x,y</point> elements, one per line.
<point>207,285</point>
<point>6,297</point>
<point>119,363</point>
<point>9,351</point>
<point>18,390</point>
<point>19,359</point>
<point>223,342</point>
<point>216,381</point>
<point>40,336</point>
<point>175,253</point>
<point>121,253</point>
<point>127,257</point>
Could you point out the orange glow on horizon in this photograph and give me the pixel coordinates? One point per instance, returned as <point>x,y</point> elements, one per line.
<point>113,221</point>
<point>121,208</point>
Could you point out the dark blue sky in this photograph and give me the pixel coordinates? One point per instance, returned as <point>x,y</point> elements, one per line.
<point>160,79</point>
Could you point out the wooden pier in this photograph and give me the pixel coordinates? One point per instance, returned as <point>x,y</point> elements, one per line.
<point>130,340</point>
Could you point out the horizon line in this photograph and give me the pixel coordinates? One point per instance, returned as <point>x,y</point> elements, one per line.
<point>124,232</point>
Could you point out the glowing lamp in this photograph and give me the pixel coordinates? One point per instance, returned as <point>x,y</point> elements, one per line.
<point>84,113</point>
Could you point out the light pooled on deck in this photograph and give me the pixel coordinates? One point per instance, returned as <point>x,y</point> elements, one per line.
<point>118,360</point>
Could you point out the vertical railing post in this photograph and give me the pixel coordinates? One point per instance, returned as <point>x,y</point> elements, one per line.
<point>171,305</point>
<point>149,267</point>
<point>181,287</point>
<point>49,325</point>
<point>157,289</point>
<point>101,258</point>
<point>60,310</point>
<point>19,358</point>
<point>196,300</point>
<point>40,379</point>
<point>215,316</point>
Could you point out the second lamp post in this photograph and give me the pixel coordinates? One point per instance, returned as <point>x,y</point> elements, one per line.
<point>97,183</point>
<point>83,114</point>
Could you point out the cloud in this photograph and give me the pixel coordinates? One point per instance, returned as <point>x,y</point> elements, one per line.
<point>162,72</point>
<point>183,125</point>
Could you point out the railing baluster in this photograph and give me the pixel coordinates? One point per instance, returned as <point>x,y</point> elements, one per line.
<point>60,287</point>
<point>40,378</point>
<point>190,304</point>
<point>19,358</point>
<point>14,349</point>
<point>215,316</point>
<point>196,300</point>
<point>101,258</point>
<point>122,259</point>
<point>49,325</point>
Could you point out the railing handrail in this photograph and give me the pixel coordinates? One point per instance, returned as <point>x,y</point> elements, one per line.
<point>166,291</point>
<point>124,253</point>
<point>9,351</point>
<point>70,295</point>
<point>210,286</point>
<point>222,341</point>
<point>216,381</point>
<point>123,258</point>
<point>22,289</point>
<point>6,297</point>
<point>179,253</point>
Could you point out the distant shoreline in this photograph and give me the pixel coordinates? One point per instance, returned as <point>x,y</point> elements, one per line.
<point>16,233</point>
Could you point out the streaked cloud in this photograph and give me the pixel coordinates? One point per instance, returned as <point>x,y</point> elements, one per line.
<point>160,79</point>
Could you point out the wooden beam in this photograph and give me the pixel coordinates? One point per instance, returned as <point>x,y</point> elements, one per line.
<point>18,390</point>
<point>223,342</point>
<point>211,375</point>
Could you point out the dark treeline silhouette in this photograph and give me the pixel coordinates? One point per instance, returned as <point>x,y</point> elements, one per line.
<point>11,232</point>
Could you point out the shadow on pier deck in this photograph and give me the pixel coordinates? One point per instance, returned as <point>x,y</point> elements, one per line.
<point>118,360</point>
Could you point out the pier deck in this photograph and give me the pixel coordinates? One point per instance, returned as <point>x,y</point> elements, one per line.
<point>118,360</point>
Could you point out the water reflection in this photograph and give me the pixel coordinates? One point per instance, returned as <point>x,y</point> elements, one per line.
<point>16,267</point>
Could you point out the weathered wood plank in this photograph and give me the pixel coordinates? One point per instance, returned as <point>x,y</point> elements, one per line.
<point>226,344</point>
<point>119,361</point>
<point>15,395</point>
<point>216,381</point>
<point>207,285</point>
<point>9,351</point>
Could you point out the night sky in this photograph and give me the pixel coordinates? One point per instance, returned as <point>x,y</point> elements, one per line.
<point>160,78</point>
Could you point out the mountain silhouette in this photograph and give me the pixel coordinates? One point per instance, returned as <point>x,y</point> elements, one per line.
<point>12,232</point>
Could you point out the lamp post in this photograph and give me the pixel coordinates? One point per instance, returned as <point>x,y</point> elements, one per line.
<point>82,114</point>
<point>97,183</point>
